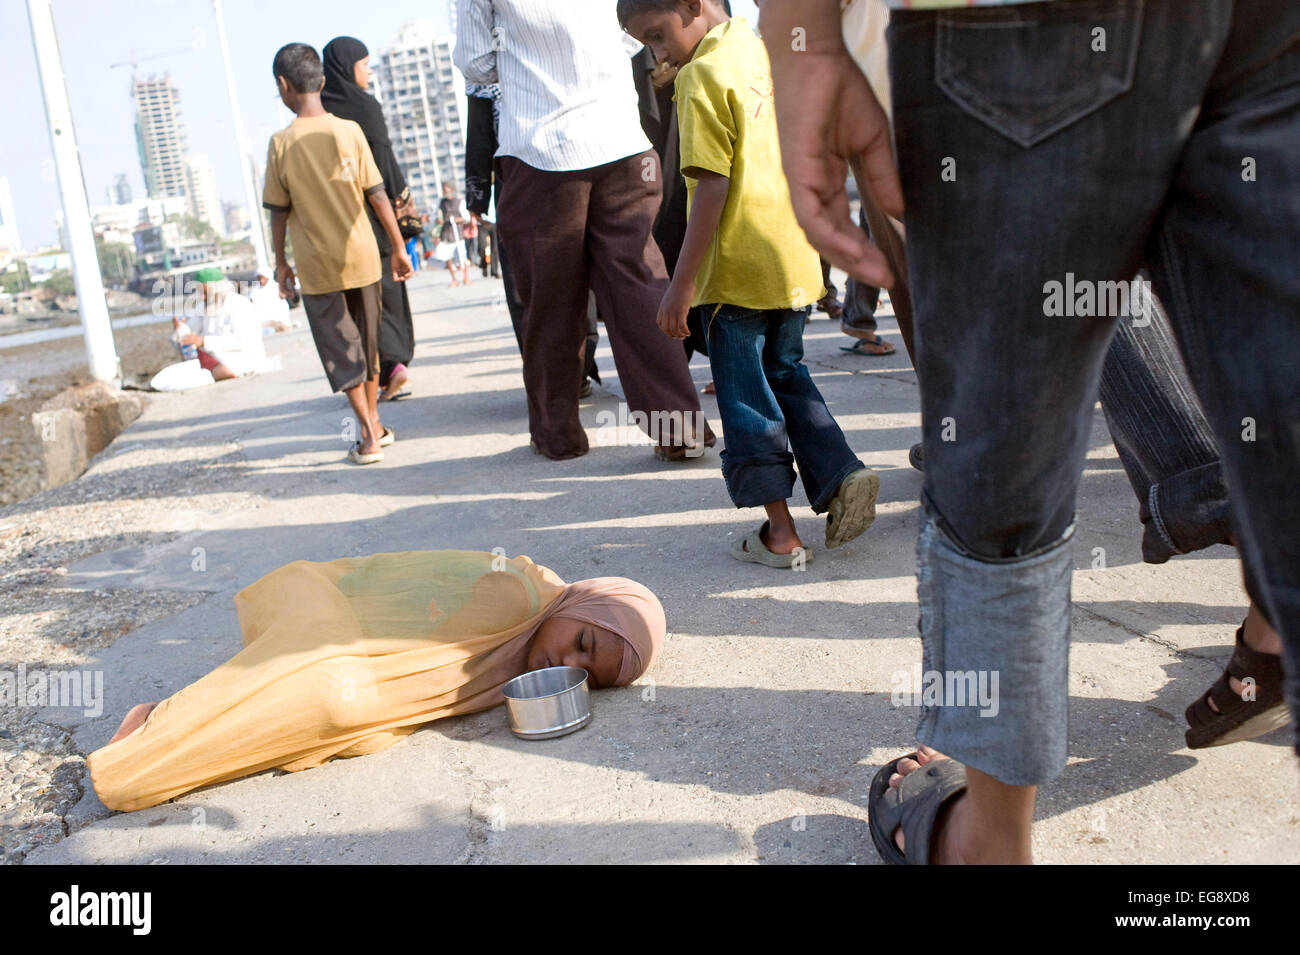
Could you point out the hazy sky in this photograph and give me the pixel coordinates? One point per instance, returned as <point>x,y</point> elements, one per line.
<point>176,36</point>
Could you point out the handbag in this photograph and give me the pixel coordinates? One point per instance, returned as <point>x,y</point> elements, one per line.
<point>408,219</point>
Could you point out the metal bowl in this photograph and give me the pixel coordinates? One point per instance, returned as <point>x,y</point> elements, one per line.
<point>547,703</point>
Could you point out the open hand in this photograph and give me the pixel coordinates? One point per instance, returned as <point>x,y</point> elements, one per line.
<point>828,120</point>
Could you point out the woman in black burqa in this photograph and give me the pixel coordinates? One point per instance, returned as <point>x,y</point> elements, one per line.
<point>347,79</point>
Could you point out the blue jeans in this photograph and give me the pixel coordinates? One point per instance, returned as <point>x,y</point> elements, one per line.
<point>769,405</point>
<point>1073,168</point>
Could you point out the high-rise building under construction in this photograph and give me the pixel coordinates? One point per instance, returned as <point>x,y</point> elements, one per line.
<point>160,134</point>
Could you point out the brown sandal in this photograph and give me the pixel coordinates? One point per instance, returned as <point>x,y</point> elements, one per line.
<point>1239,719</point>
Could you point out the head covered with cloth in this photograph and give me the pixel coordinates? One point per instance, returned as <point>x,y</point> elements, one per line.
<point>345,657</point>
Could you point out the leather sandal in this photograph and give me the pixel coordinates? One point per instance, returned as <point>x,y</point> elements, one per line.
<point>1239,719</point>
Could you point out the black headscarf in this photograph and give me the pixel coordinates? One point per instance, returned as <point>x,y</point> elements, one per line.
<point>343,97</point>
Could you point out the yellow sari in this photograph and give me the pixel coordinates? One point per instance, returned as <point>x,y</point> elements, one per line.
<point>340,658</point>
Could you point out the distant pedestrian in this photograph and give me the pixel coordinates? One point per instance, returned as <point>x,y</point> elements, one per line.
<point>347,96</point>
<point>320,174</point>
<point>452,217</point>
<point>747,269</point>
<point>420,247</point>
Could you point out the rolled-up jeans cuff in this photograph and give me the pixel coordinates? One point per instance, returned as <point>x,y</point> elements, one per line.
<point>998,631</point>
<point>759,479</point>
<point>1185,513</point>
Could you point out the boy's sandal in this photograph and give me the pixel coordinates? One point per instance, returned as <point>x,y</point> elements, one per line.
<point>1239,719</point>
<point>913,807</point>
<point>356,457</point>
<point>750,549</point>
<point>387,438</point>
<point>853,508</point>
<point>863,346</point>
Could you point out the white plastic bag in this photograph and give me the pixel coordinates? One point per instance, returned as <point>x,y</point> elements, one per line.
<point>182,376</point>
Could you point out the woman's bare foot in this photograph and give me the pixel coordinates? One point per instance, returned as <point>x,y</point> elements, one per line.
<point>134,720</point>
<point>1260,637</point>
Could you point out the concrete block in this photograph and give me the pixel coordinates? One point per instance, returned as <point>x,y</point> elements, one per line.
<point>78,423</point>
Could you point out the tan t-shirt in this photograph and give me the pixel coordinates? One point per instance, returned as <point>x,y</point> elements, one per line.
<point>320,170</point>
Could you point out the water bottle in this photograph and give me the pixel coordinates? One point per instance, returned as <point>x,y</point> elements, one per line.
<point>188,352</point>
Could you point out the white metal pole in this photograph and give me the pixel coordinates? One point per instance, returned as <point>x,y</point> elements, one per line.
<point>428,126</point>
<point>246,174</point>
<point>101,354</point>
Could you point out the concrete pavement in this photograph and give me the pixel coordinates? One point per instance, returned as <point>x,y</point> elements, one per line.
<point>755,737</point>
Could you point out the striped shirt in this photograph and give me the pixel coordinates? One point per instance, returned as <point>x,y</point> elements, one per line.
<point>950,4</point>
<point>567,96</point>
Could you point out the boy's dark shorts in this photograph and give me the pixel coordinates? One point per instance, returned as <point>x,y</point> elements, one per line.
<point>345,325</point>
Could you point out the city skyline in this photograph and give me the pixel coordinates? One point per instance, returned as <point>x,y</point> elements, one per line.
<point>424,108</point>
<point>93,36</point>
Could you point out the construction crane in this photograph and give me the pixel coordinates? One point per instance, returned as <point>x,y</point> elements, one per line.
<point>135,61</point>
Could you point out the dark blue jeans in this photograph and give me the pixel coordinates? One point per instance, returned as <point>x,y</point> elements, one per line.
<point>769,405</point>
<point>1164,442</point>
<point>1176,146</point>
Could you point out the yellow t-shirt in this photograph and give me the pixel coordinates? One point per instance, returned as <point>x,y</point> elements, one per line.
<point>726,122</point>
<point>320,169</point>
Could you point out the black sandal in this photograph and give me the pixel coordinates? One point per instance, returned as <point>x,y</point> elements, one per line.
<point>913,806</point>
<point>1239,719</point>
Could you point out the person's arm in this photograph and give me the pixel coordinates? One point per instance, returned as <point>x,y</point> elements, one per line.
<point>402,268</point>
<point>476,45</point>
<point>391,170</point>
<point>480,148</point>
<point>702,225</point>
<point>284,276</point>
<point>276,199</point>
<point>372,186</point>
<point>828,120</point>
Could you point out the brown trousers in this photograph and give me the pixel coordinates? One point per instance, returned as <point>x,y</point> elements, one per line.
<point>569,232</point>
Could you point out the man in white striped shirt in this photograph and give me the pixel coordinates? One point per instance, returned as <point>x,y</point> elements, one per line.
<point>580,190</point>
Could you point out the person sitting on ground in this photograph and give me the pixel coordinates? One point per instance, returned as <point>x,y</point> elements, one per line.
<point>225,329</point>
<point>748,270</point>
<point>346,657</point>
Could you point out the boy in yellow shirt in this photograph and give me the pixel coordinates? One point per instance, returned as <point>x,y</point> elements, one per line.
<point>320,174</point>
<point>746,266</point>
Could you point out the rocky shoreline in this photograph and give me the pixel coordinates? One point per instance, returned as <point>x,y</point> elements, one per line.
<point>32,374</point>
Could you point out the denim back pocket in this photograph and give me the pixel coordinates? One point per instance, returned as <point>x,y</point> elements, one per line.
<point>1029,71</point>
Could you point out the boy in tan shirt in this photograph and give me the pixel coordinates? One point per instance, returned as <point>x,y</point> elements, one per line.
<point>319,176</point>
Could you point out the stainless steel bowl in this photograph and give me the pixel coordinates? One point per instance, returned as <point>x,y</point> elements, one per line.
<point>547,703</point>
